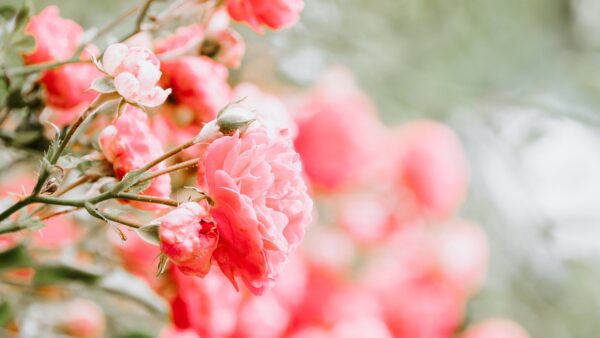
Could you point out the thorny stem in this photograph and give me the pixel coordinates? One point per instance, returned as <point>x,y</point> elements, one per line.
<point>118,219</point>
<point>57,213</point>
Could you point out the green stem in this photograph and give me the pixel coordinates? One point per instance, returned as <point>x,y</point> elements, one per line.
<point>15,207</point>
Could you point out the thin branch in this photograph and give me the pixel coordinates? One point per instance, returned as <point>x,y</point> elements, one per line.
<point>150,199</point>
<point>183,165</point>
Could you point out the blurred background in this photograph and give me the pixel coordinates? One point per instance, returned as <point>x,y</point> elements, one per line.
<point>519,81</point>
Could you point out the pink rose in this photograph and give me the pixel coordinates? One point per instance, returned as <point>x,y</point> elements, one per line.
<point>136,71</point>
<point>208,305</point>
<point>261,204</point>
<point>199,83</point>
<point>273,14</point>
<point>174,332</point>
<point>55,38</point>
<point>83,319</point>
<point>338,134</point>
<point>262,317</point>
<point>495,328</point>
<point>431,169</point>
<point>188,237</point>
<point>185,40</point>
<point>129,144</point>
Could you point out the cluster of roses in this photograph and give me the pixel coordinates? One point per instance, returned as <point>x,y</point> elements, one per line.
<point>386,257</point>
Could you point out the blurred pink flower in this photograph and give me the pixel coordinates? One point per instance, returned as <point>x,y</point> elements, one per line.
<point>55,38</point>
<point>269,109</point>
<point>199,83</point>
<point>188,237</point>
<point>339,133</point>
<point>206,305</point>
<point>495,328</point>
<point>129,144</point>
<point>431,170</point>
<point>136,72</point>
<point>174,332</point>
<point>83,319</point>
<point>230,47</point>
<point>261,204</point>
<point>184,40</point>
<point>137,256</point>
<point>273,14</point>
<point>262,317</point>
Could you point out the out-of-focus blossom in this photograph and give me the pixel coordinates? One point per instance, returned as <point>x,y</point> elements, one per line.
<point>199,83</point>
<point>261,204</point>
<point>185,40</point>
<point>274,14</point>
<point>66,87</point>
<point>129,144</point>
<point>431,170</point>
<point>262,317</point>
<point>366,216</point>
<point>338,133</point>
<point>206,305</point>
<point>495,328</point>
<point>188,237</point>
<point>463,254</point>
<point>83,319</point>
<point>137,256</point>
<point>174,332</point>
<point>136,72</point>
<point>225,46</point>
<point>268,108</point>
<point>55,38</point>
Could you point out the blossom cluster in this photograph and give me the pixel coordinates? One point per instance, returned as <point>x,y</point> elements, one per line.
<point>224,175</point>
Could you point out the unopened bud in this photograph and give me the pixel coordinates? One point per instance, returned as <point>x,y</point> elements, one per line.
<point>233,119</point>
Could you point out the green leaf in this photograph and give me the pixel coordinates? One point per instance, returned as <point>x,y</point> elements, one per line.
<point>5,313</point>
<point>69,161</point>
<point>25,137</point>
<point>7,12</point>
<point>104,85</point>
<point>22,15</point>
<point>59,273</point>
<point>24,44</point>
<point>149,233</point>
<point>16,257</point>
<point>136,335</point>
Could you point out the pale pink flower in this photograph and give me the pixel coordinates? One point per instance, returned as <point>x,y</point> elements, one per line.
<point>463,253</point>
<point>83,319</point>
<point>366,216</point>
<point>174,332</point>
<point>137,256</point>
<point>495,328</point>
<point>268,109</point>
<point>431,170</point>
<point>55,38</point>
<point>273,14</point>
<point>185,40</point>
<point>200,83</point>
<point>262,317</point>
<point>208,305</point>
<point>261,204</point>
<point>364,327</point>
<point>188,237</point>
<point>338,133</point>
<point>136,72</point>
<point>129,144</point>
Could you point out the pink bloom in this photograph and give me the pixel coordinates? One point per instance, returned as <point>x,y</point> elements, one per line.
<point>137,256</point>
<point>366,216</point>
<point>338,133</point>
<point>129,144</point>
<point>495,328</point>
<point>431,171</point>
<point>225,46</point>
<point>185,40</point>
<point>55,38</point>
<point>83,319</point>
<point>174,332</point>
<point>262,317</point>
<point>268,108</point>
<point>261,204</point>
<point>206,305</point>
<point>136,72</point>
<point>273,14</point>
<point>189,237</point>
<point>199,83</point>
